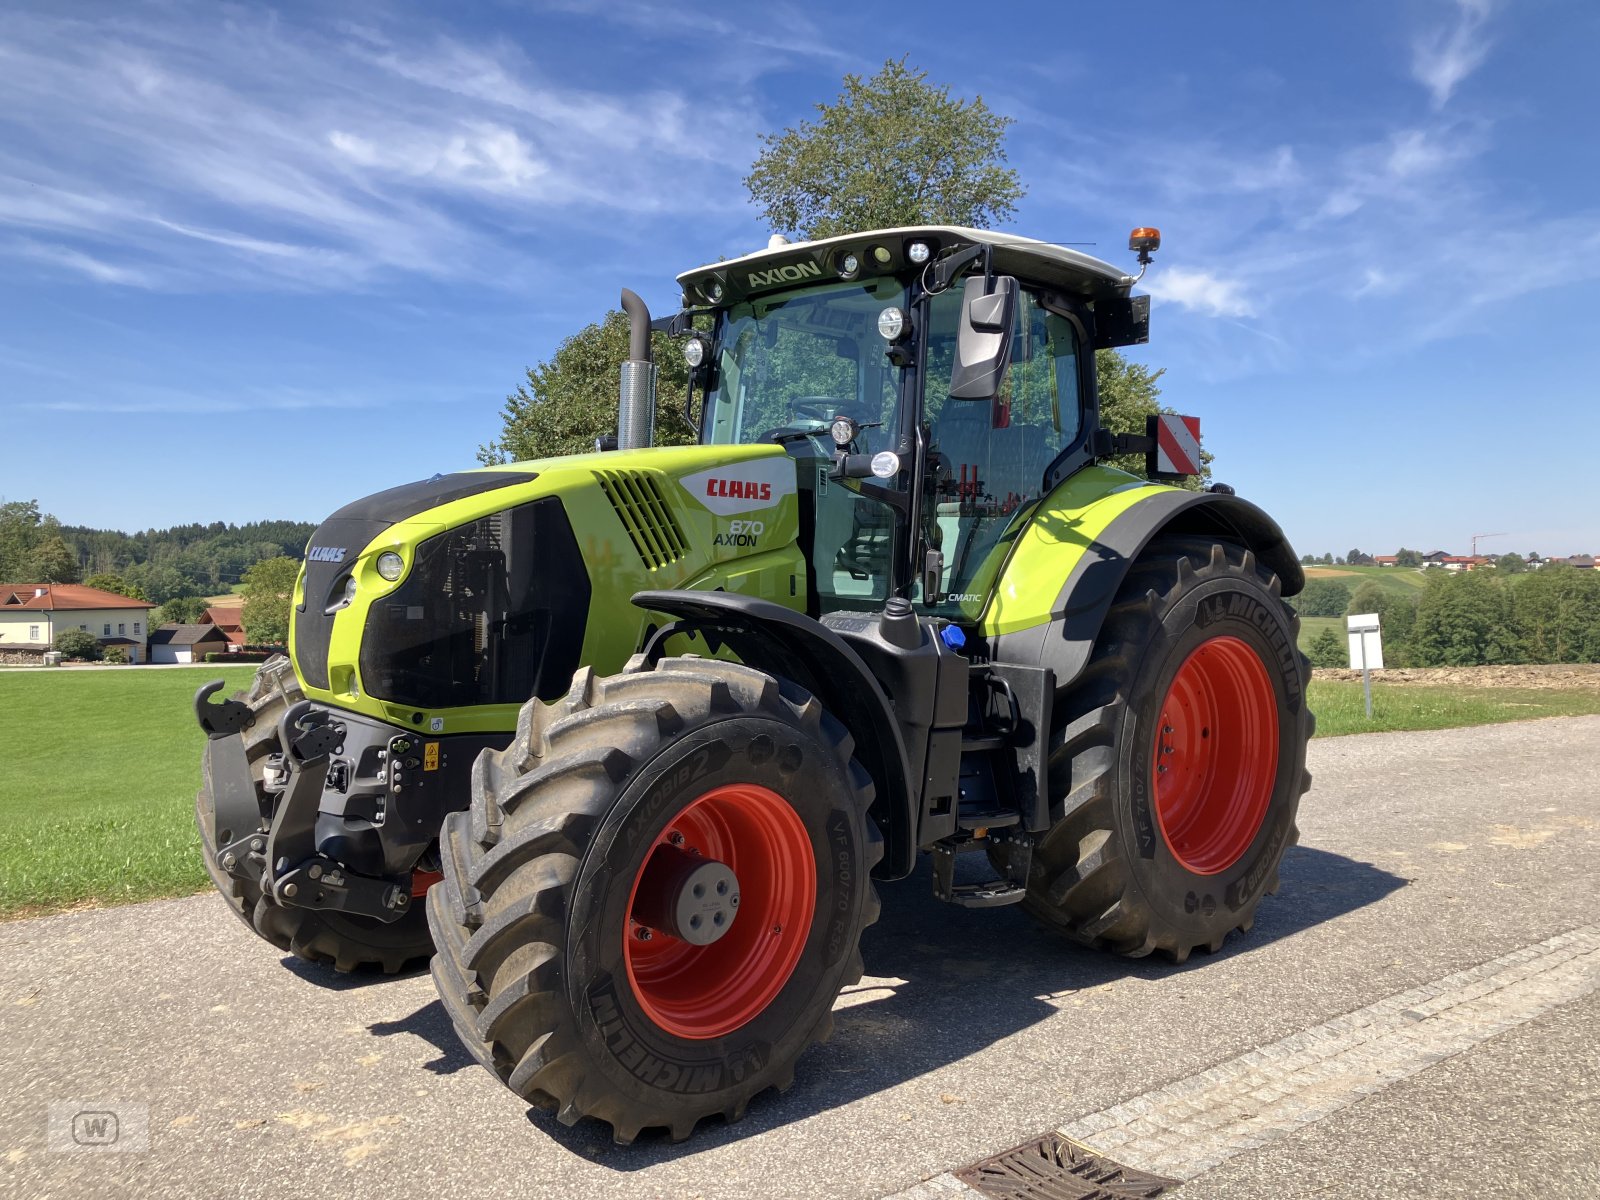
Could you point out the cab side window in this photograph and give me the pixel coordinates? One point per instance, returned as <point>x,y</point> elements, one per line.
<point>990,457</point>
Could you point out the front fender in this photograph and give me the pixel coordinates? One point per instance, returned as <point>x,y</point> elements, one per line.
<point>783,642</point>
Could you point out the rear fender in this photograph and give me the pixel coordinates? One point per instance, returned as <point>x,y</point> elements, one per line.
<point>1097,558</point>
<point>783,642</point>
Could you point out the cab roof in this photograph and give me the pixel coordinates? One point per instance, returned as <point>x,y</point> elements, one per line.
<point>818,261</point>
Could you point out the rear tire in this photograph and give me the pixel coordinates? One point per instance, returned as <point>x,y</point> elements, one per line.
<point>346,942</point>
<point>1178,758</point>
<point>540,961</point>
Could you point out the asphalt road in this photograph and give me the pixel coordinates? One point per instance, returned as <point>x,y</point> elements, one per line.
<point>1423,854</point>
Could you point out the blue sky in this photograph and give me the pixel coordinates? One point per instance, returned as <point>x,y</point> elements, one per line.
<point>257,261</point>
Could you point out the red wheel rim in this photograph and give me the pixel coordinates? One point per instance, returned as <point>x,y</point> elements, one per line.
<point>1216,755</point>
<point>707,991</point>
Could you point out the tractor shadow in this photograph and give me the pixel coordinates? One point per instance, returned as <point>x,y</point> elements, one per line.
<point>971,979</point>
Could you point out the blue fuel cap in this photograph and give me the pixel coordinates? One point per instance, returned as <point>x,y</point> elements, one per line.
<point>953,637</point>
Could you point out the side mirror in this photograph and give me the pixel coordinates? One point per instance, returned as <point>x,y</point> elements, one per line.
<point>983,342</point>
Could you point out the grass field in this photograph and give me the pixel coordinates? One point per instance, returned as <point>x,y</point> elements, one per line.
<point>1340,708</point>
<point>98,771</point>
<point>1407,581</point>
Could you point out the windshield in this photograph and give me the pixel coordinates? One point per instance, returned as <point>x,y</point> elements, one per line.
<point>789,363</point>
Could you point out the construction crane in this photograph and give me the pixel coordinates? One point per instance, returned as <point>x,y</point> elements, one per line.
<point>1476,536</point>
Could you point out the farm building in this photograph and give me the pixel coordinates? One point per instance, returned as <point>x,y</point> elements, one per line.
<point>229,619</point>
<point>33,614</point>
<point>186,643</point>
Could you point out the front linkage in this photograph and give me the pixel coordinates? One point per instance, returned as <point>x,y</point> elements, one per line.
<point>321,827</point>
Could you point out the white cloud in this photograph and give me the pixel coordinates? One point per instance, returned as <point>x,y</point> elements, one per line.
<point>1200,291</point>
<point>231,149</point>
<point>1442,58</point>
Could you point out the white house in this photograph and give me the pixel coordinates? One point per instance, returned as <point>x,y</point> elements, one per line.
<point>32,614</point>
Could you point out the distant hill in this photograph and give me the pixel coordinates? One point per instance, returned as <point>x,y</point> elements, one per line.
<point>211,557</point>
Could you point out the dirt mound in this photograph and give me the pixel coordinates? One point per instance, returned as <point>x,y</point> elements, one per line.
<point>1584,676</point>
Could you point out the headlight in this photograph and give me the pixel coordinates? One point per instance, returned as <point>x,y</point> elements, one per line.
<point>849,265</point>
<point>349,591</point>
<point>891,323</point>
<point>917,252</point>
<point>390,565</point>
<point>694,351</point>
<point>885,463</point>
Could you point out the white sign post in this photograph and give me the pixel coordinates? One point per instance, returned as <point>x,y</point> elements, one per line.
<point>1366,650</point>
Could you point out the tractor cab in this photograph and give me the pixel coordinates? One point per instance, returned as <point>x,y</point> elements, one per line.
<point>925,430</point>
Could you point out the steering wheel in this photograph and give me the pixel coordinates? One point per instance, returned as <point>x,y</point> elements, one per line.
<point>819,408</point>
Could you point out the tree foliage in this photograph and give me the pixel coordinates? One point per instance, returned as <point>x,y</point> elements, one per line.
<point>1558,614</point>
<point>268,587</point>
<point>1465,619</point>
<point>565,403</point>
<point>1323,598</point>
<point>181,610</point>
<point>22,528</point>
<point>108,581</point>
<point>1407,558</point>
<point>1328,649</point>
<point>52,561</point>
<point>890,150</point>
<point>78,643</point>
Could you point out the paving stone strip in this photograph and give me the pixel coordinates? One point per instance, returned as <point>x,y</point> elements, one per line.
<point>1188,1127</point>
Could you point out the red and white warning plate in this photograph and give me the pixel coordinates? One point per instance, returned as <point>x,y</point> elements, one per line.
<point>1177,444</point>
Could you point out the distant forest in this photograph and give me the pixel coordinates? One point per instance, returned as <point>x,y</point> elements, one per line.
<point>208,558</point>
<point>154,564</point>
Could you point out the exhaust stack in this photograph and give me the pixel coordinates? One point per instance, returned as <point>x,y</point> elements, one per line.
<point>636,411</point>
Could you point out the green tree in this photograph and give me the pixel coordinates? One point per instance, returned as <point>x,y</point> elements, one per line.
<point>52,561</point>
<point>1328,649</point>
<point>565,403</point>
<point>181,610</point>
<point>160,582</point>
<point>890,150</point>
<point>108,581</point>
<point>1397,614</point>
<point>1408,558</point>
<point>268,587</point>
<point>22,528</point>
<point>78,643</point>
<point>1558,614</point>
<point>1511,564</point>
<point>1128,395</point>
<point>1323,598</point>
<point>1465,619</point>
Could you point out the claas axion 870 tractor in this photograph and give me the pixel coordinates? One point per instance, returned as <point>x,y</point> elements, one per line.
<point>625,740</point>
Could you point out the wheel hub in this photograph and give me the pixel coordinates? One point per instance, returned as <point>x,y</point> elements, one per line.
<point>748,853</point>
<point>692,898</point>
<point>1216,755</point>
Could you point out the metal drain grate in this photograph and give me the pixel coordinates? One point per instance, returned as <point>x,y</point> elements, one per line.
<point>1052,1168</point>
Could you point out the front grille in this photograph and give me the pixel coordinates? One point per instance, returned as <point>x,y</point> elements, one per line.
<point>643,511</point>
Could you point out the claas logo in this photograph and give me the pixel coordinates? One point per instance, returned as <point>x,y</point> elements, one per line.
<point>738,489</point>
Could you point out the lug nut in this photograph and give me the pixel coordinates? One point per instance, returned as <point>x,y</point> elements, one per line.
<point>316,871</point>
<point>229,861</point>
<point>675,838</point>
<point>643,933</point>
<point>258,845</point>
<point>289,889</point>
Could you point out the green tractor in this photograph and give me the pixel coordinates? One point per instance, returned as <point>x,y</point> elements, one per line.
<point>625,740</point>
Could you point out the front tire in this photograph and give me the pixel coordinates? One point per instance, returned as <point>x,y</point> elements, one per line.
<point>554,960</point>
<point>1180,759</point>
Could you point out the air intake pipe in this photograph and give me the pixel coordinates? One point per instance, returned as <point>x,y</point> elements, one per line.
<point>636,412</point>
